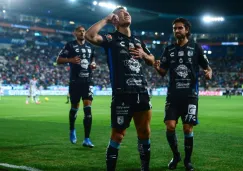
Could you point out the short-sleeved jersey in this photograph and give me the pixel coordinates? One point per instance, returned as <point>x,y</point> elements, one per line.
<point>126,72</point>
<point>79,72</point>
<point>183,64</point>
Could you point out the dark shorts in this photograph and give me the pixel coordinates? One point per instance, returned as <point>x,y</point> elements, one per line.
<point>79,89</point>
<point>123,107</point>
<point>187,109</point>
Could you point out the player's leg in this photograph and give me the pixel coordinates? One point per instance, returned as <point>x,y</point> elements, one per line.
<point>171,118</point>
<point>120,120</point>
<point>87,122</point>
<point>87,97</point>
<point>74,90</point>
<point>188,145</point>
<point>142,123</point>
<point>189,120</point>
<point>142,117</point>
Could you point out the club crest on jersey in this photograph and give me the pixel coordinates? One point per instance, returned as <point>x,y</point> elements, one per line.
<point>89,50</point>
<point>108,37</point>
<point>181,53</point>
<point>131,45</point>
<point>83,50</point>
<point>190,53</point>
<point>120,120</point>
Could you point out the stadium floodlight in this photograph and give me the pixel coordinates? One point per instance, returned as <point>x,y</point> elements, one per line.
<point>209,19</point>
<point>4,11</point>
<point>209,52</point>
<point>71,22</point>
<point>95,2</point>
<point>107,5</point>
<point>143,33</point>
<point>72,0</point>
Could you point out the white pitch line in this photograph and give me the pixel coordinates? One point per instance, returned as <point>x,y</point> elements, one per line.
<point>19,167</point>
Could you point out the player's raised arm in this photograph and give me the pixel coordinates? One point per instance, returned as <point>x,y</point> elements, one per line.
<point>92,33</point>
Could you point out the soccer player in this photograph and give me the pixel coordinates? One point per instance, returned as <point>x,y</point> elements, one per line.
<point>32,91</point>
<point>228,91</point>
<point>182,60</point>
<point>130,99</point>
<point>80,57</point>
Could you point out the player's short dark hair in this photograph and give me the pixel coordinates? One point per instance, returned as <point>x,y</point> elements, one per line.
<point>78,27</point>
<point>117,9</point>
<point>186,23</point>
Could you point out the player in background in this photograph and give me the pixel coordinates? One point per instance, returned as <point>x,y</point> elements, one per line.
<point>80,57</point>
<point>32,91</point>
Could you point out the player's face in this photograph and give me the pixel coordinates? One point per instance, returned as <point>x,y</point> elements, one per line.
<point>80,33</point>
<point>179,30</point>
<point>125,18</point>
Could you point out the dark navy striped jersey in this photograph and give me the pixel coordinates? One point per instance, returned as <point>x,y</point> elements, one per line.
<point>85,52</point>
<point>126,72</point>
<point>183,64</point>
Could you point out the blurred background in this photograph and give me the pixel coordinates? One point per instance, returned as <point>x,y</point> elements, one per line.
<point>32,32</point>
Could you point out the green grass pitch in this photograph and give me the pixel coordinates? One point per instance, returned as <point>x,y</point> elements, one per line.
<point>37,136</point>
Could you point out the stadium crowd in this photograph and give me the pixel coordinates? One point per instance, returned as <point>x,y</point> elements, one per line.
<point>37,56</point>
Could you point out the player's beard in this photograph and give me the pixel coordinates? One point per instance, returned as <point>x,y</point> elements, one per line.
<point>180,36</point>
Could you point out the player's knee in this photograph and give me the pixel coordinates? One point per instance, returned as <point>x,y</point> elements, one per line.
<point>170,127</point>
<point>143,133</point>
<point>187,129</point>
<point>117,137</point>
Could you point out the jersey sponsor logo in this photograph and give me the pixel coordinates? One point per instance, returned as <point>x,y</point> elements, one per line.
<point>81,74</point>
<point>133,65</point>
<point>190,53</point>
<point>134,82</point>
<point>84,55</point>
<point>182,71</point>
<point>89,50</point>
<point>83,50</point>
<point>108,37</point>
<point>120,120</point>
<point>84,63</point>
<point>181,53</point>
<point>180,85</point>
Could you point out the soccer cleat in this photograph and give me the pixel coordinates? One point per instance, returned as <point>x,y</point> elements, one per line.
<point>188,166</point>
<point>87,143</point>
<point>73,137</point>
<point>174,161</point>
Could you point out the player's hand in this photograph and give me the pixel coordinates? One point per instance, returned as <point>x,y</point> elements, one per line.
<point>208,74</point>
<point>93,65</point>
<point>137,52</point>
<point>75,60</point>
<point>157,65</point>
<point>112,19</point>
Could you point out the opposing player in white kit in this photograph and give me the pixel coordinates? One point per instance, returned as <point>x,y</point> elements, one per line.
<point>32,91</point>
